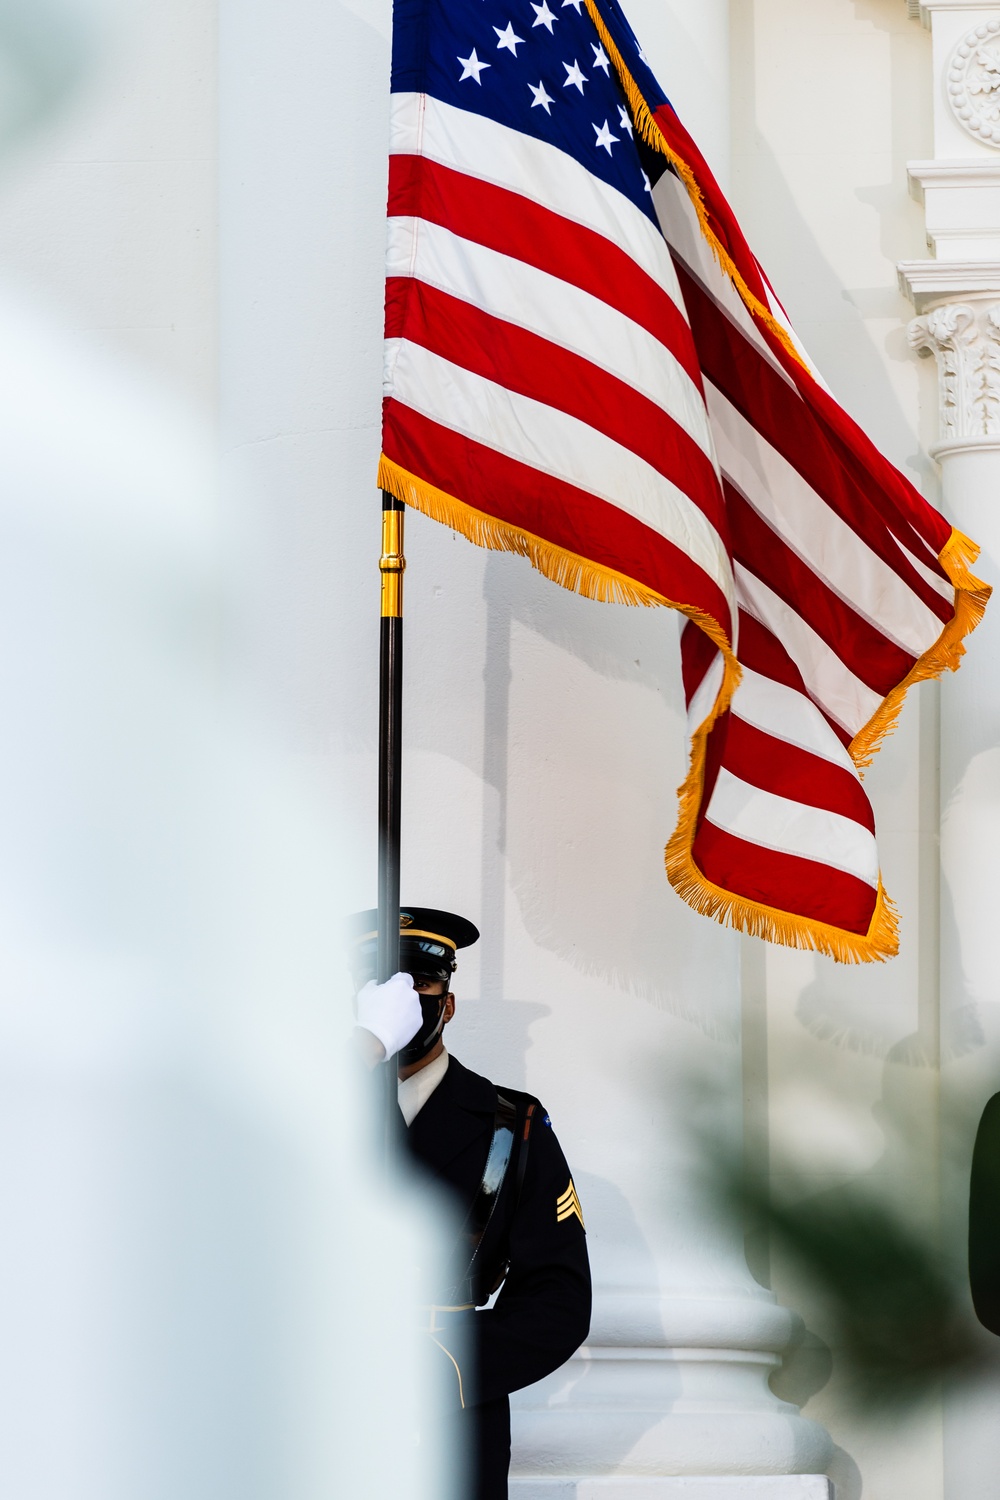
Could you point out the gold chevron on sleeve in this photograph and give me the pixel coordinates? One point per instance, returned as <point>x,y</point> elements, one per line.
<point>568,1204</point>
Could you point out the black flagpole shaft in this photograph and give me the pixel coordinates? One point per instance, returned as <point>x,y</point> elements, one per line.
<point>390,758</point>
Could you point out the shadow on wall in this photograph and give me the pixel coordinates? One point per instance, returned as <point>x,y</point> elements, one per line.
<point>494,1038</point>
<point>584,748</point>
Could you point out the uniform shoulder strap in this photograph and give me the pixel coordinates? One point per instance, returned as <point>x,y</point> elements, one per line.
<point>483,1205</point>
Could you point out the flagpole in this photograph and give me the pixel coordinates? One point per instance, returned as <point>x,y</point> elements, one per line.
<point>391,565</point>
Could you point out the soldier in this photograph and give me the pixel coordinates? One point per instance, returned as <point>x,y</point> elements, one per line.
<point>496,1151</point>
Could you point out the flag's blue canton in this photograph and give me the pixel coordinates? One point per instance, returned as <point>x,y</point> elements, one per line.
<point>536,66</point>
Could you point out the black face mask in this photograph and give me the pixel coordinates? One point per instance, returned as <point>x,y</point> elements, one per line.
<point>432,1009</point>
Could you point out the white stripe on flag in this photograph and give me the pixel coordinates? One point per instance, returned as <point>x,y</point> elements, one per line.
<point>682,232</point>
<point>828,546</point>
<point>789,827</point>
<point>469,143</point>
<point>557,444</point>
<point>848,701</point>
<point>786,714</point>
<point>554,309</point>
<point>942,586</point>
<point>705,694</point>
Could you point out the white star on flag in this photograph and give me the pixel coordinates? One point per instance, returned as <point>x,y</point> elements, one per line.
<point>574,76</point>
<point>541,97</point>
<point>543,16</point>
<point>604,137</point>
<point>508,39</point>
<point>575,4</point>
<point>600,59</point>
<point>472,67</point>
<point>623,118</point>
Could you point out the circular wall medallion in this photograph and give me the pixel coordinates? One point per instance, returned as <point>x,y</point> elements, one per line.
<point>974,82</point>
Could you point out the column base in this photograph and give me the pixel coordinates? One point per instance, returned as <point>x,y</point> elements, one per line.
<point>675,1487</point>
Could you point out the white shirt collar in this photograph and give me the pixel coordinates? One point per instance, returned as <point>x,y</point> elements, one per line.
<point>414,1092</point>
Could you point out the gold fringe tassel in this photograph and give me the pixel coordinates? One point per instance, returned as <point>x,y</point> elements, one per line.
<point>584,577</point>
<point>971,598</point>
<point>568,569</point>
<point>880,942</point>
<point>654,137</point>
<point>959,553</point>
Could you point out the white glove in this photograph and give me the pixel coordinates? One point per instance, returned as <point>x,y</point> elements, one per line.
<point>391,1011</point>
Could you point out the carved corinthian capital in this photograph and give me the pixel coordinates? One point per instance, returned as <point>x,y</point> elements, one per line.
<point>965,340</point>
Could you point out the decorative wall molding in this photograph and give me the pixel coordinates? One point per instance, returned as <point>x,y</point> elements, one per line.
<point>973,82</point>
<point>964,338</point>
<point>668,1392</point>
<point>961,199</point>
<point>929,283</point>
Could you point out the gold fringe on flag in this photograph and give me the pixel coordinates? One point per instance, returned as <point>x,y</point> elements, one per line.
<point>971,597</point>
<point>582,576</point>
<point>956,558</point>
<point>568,569</point>
<point>654,137</point>
<point>880,942</point>
<point>597,582</point>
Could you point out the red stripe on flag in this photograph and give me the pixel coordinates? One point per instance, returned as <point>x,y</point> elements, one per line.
<point>559,513</point>
<point>513,225</point>
<point>530,365</point>
<point>775,766</point>
<point>762,652</point>
<point>870,655</point>
<point>785,421</point>
<point>784,882</point>
<point>924,530</point>
<point>697,655</point>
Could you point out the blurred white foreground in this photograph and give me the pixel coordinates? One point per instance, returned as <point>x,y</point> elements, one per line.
<point>201,1293</point>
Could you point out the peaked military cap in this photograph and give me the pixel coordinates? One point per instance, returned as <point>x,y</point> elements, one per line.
<point>428,940</point>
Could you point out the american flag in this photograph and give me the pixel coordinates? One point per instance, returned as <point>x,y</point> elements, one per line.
<point>585,364</point>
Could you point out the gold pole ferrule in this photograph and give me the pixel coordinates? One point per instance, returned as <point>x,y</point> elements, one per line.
<point>391,563</point>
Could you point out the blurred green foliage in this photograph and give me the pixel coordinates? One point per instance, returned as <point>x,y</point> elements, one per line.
<point>895,1311</point>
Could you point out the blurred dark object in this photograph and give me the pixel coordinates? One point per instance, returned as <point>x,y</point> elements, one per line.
<point>984,1219</point>
<point>895,1313</point>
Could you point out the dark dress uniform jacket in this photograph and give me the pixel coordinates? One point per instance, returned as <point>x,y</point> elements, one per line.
<point>542,1314</point>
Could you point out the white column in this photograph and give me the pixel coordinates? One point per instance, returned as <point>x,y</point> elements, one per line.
<point>670,1395</point>
<point>957,297</point>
